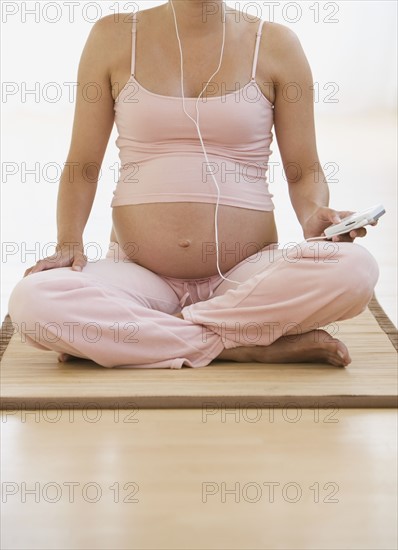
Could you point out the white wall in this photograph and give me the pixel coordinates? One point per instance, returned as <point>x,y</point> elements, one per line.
<point>349,43</point>
<point>357,53</point>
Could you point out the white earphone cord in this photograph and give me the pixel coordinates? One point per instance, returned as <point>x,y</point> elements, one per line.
<point>196,122</point>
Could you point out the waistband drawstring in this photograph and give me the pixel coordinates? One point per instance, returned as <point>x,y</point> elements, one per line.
<point>188,294</point>
<point>184,298</point>
<point>209,291</point>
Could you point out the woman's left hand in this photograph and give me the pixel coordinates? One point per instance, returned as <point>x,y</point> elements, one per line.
<point>324,216</point>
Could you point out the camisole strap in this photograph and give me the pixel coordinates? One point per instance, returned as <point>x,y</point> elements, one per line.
<point>258,35</point>
<point>134,42</point>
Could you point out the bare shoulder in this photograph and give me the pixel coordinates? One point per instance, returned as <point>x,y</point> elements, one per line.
<point>117,23</point>
<point>279,37</point>
<point>112,35</point>
<point>110,31</point>
<point>281,53</point>
<point>108,26</point>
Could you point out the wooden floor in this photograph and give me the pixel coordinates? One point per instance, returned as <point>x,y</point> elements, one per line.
<point>199,479</point>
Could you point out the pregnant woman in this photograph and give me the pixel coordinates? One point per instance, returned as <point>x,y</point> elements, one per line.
<point>171,291</point>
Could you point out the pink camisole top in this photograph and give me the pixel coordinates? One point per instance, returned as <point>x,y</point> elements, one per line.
<point>161,157</point>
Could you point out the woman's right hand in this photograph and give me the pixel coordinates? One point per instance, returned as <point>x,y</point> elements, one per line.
<point>64,256</point>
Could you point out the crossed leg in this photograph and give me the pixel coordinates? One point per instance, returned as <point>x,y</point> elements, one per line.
<point>290,292</point>
<point>269,316</point>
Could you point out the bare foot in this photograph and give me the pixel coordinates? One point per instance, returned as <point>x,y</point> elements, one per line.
<point>178,315</point>
<point>315,346</point>
<point>65,358</point>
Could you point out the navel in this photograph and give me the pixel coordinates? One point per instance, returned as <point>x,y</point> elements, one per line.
<point>184,243</point>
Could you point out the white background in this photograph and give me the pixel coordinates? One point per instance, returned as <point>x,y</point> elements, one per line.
<point>357,53</point>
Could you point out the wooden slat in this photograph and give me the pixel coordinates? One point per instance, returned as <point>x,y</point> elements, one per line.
<point>33,378</point>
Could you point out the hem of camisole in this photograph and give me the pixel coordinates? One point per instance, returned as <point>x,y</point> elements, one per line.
<point>132,78</point>
<point>126,202</point>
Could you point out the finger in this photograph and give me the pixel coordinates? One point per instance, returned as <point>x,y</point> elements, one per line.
<point>344,213</point>
<point>46,263</point>
<point>39,266</point>
<point>345,238</point>
<point>361,232</point>
<point>333,216</point>
<point>349,237</point>
<point>35,268</point>
<point>79,262</point>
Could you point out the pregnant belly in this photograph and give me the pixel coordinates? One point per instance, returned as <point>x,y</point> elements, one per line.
<point>178,239</point>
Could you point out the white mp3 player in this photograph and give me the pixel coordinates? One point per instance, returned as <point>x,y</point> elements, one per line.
<point>355,221</point>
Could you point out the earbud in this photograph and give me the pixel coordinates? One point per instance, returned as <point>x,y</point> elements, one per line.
<point>196,122</point>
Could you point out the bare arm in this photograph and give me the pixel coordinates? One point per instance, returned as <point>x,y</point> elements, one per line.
<point>93,122</point>
<point>294,123</point>
<point>295,132</point>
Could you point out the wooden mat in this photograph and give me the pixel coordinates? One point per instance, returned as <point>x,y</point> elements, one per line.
<point>31,378</point>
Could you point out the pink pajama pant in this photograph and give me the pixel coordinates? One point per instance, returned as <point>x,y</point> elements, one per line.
<point>119,314</point>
